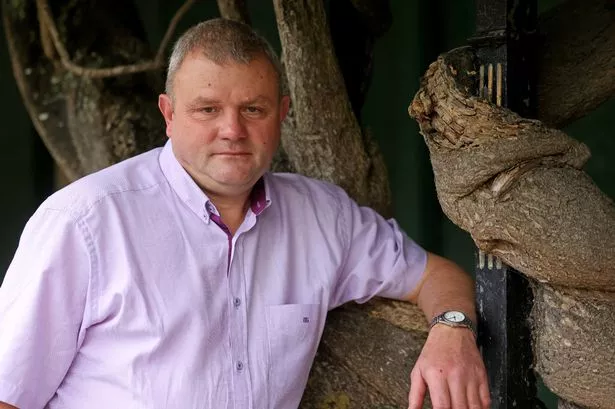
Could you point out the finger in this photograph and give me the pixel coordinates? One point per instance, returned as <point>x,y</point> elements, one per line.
<point>474,400</point>
<point>418,388</point>
<point>439,392</point>
<point>483,391</point>
<point>458,392</point>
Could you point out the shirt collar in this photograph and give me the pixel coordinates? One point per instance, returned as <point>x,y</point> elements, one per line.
<point>259,197</point>
<point>191,194</point>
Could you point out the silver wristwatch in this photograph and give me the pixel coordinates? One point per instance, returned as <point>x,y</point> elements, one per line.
<point>454,319</point>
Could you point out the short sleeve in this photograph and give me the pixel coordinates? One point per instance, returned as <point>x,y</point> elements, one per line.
<point>380,259</point>
<point>42,308</point>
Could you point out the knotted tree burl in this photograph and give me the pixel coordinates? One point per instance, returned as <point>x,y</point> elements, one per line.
<point>517,186</point>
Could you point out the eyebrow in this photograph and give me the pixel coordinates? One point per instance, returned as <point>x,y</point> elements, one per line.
<point>258,98</point>
<point>200,101</point>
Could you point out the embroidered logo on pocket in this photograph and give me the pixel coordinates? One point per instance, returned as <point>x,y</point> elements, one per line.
<point>306,319</point>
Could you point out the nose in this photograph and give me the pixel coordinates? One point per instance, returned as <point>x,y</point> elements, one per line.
<point>232,127</point>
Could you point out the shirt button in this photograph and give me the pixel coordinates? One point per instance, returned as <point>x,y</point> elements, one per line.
<point>239,366</point>
<point>237,302</point>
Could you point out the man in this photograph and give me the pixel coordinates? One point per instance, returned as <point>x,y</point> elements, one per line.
<point>190,277</point>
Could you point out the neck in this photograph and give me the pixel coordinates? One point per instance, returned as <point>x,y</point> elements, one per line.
<point>232,208</point>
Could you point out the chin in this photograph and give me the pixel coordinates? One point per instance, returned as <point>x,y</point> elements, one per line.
<point>235,181</point>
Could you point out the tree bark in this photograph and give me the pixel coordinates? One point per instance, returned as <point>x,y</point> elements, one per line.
<point>574,336</point>
<point>576,60</point>
<point>365,357</point>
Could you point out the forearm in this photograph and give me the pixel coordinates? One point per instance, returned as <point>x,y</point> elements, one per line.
<point>6,406</point>
<point>445,286</point>
<point>450,366</point>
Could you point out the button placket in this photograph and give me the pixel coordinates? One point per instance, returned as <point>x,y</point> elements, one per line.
<point>238,322</point>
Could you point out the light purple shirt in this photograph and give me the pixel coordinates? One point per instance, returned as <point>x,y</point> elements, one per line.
<point>126,293</point>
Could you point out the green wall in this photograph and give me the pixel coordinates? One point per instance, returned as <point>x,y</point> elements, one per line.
<point>421,30</point>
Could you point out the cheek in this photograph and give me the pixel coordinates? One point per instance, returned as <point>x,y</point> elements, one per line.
<point>196,133</point>
<point>268,144</point>
<point>271,135</point>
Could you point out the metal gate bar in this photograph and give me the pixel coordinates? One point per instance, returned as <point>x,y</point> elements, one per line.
<point>505,33</point>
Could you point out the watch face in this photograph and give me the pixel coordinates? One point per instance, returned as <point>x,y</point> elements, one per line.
<point>454,316</point>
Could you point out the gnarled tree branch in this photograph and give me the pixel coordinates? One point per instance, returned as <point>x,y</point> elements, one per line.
<point>48,26</point>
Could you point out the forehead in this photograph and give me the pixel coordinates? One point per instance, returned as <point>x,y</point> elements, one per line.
<point>199,72</point>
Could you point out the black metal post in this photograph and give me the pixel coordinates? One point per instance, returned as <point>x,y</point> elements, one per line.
<point>504,42</point>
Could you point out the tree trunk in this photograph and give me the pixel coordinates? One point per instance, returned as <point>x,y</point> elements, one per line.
<point>574,336</point>
<point>365,357</point>
<point>326,141</point>
<point>518,188</point>
<point>576,60</point>
<point>86,123</point>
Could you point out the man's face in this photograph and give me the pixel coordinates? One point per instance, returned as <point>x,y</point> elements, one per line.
<point>224,121</point>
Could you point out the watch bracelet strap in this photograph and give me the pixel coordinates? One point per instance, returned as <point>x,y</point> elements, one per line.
<point>466,323</point>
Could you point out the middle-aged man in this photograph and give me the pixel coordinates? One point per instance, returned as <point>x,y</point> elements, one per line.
<point>190,277</point>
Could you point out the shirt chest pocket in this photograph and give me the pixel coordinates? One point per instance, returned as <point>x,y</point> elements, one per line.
<point>293,332</point>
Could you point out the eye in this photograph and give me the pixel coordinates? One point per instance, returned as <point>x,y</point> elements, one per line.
<point>208,110</point>
<point>253,110</point>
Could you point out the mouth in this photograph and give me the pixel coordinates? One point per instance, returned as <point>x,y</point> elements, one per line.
<point>233,154</point>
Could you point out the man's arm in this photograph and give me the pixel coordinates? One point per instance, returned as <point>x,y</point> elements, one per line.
<point>7,406</point>
<point>43,300</point>
<point>450,365</point>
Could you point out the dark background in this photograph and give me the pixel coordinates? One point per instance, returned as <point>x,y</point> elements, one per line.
<point>421,30</point>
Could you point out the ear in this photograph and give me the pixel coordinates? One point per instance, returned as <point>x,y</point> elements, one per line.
<point>166,108</point>
<point>284,107</point>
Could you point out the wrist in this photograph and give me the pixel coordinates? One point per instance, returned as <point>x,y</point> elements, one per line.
<point>454,319</point>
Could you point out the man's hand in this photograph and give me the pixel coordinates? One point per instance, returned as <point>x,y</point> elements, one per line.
<point>451,368</point>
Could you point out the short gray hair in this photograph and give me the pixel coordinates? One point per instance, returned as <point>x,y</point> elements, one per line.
<point>222,40</point>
